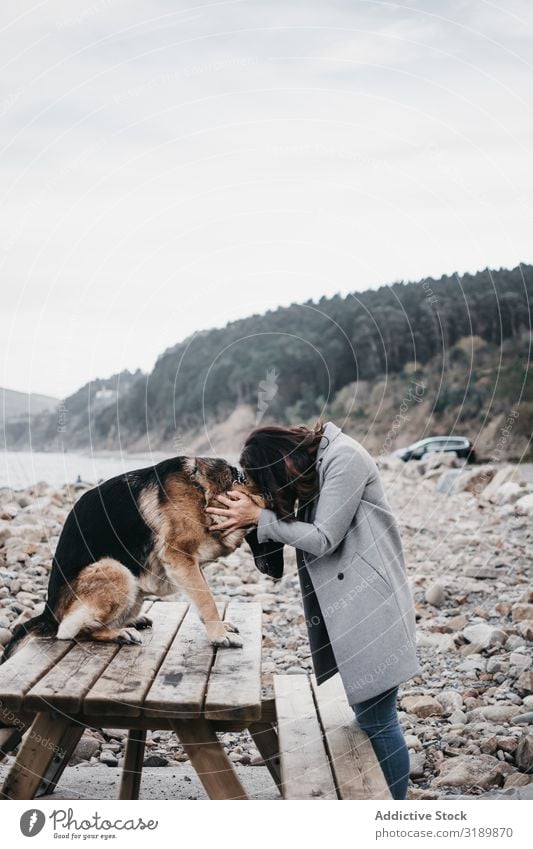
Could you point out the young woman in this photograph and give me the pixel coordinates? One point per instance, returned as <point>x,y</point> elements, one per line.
<point>327,500</point>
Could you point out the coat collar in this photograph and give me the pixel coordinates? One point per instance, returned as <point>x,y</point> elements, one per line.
<point>331,431</point>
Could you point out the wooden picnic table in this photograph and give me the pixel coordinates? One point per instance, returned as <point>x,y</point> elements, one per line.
<point>175,680</point>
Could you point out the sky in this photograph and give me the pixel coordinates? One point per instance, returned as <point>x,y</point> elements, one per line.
<point>167,166</point>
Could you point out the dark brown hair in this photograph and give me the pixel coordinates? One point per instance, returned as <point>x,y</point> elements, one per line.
<point>280,461</point>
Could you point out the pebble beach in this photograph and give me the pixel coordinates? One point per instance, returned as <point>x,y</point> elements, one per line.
<point>468,541</point>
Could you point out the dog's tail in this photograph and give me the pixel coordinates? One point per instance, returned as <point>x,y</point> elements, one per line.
<point>43,625</point>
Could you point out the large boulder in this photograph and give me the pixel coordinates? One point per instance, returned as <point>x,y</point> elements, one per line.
<point>508,493</point>
<point>473,770</point>
<point>476,479</point>
<point>502,476</point>
<point>524,505</point>
<point>484,635</point>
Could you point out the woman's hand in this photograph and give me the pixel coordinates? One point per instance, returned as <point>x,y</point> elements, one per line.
<point>240,512</point>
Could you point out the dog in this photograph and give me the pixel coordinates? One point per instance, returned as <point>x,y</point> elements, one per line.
<point>142,533</point>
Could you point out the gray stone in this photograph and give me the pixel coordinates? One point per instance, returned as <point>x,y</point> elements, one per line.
<point>155,760</point>
<point>435,594</point>
<point>524,505</point>
<point>508,493</point>
<point>84,751</point>
<point>516,793</point>
<point>524,753</point>
<point>451,700</point>
<point>416,764</point>
<point>494,713</point>
<point>484,635</point>
<point>108,758</point>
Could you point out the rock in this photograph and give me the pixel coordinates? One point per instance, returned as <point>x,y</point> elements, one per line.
<point>458,717</point>
<point>484,635</point>
<point>520,661</point>
<point>506,473</point>
<point>515,793</point>
<point>84,751</point>
<point>521,611</point>
<point>524,505</point>
<point>472,770</point>
<point>494,713</point>
<point>435,594</point>
<point>525,628</point>
<point>5,531</point>
<point>516,779</point>
<point>450,700</point>
<point>496,664</point>
<point>446,482</point>
<point>507,744</point>
<point>508,493</point>
<point>8,511</point>
<point>412,742</point>
<point>523,718</point>
<point>155,760</point>
<point>482,572</point>
<point>108,758</point>
<point>475,663</point>
<point>416,764</point>
<point>524,753</point>
<point>421,706</point>
<point>5,636</point>
<point>475,480</point>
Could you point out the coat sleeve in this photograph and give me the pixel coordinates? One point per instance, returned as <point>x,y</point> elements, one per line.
<point>345,479</point>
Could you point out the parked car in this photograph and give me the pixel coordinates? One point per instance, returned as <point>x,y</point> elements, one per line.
<point>460,444</point>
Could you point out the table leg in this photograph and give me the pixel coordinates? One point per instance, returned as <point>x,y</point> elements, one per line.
<point>133,763</point>
<point>66,746</point>
<point>265,737</point>
<point>10,737</point>
<point>42,757</point>
<point>214,768</point>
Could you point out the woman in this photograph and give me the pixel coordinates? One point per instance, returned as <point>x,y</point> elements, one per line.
<point>327,501</point>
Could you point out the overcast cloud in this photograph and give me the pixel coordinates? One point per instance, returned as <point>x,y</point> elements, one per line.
<point>167,167</point>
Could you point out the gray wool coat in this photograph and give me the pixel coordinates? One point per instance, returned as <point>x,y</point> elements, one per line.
<point>358,605</point>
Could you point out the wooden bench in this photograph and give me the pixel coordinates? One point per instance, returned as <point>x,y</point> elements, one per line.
<point>323,753</point>
<point>52,690</point>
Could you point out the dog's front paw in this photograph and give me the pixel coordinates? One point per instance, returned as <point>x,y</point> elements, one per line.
<point>141,623</point>
<point>229,641</point>
<point>129,637</point>
<point>229,627</point>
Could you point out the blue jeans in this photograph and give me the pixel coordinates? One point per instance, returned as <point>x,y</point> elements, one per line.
<point>379,718</point>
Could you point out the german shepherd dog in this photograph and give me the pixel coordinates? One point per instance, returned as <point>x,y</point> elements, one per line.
<point>141,533</point>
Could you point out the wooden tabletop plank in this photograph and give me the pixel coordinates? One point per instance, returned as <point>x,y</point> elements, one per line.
<point>123,684</point>
<point>64,686</point>
<point>305,769</point>
<point>27,666</point>
<point>234,688</point>
<point>357,772</point>
<point>181,681</point>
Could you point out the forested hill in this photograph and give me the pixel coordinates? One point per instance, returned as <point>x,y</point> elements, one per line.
<point>321,358</point>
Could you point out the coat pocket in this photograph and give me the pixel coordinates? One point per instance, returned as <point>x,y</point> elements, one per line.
<point>373,576</point>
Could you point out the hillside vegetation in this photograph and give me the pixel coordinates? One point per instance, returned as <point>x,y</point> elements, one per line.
<point>390,365</point>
